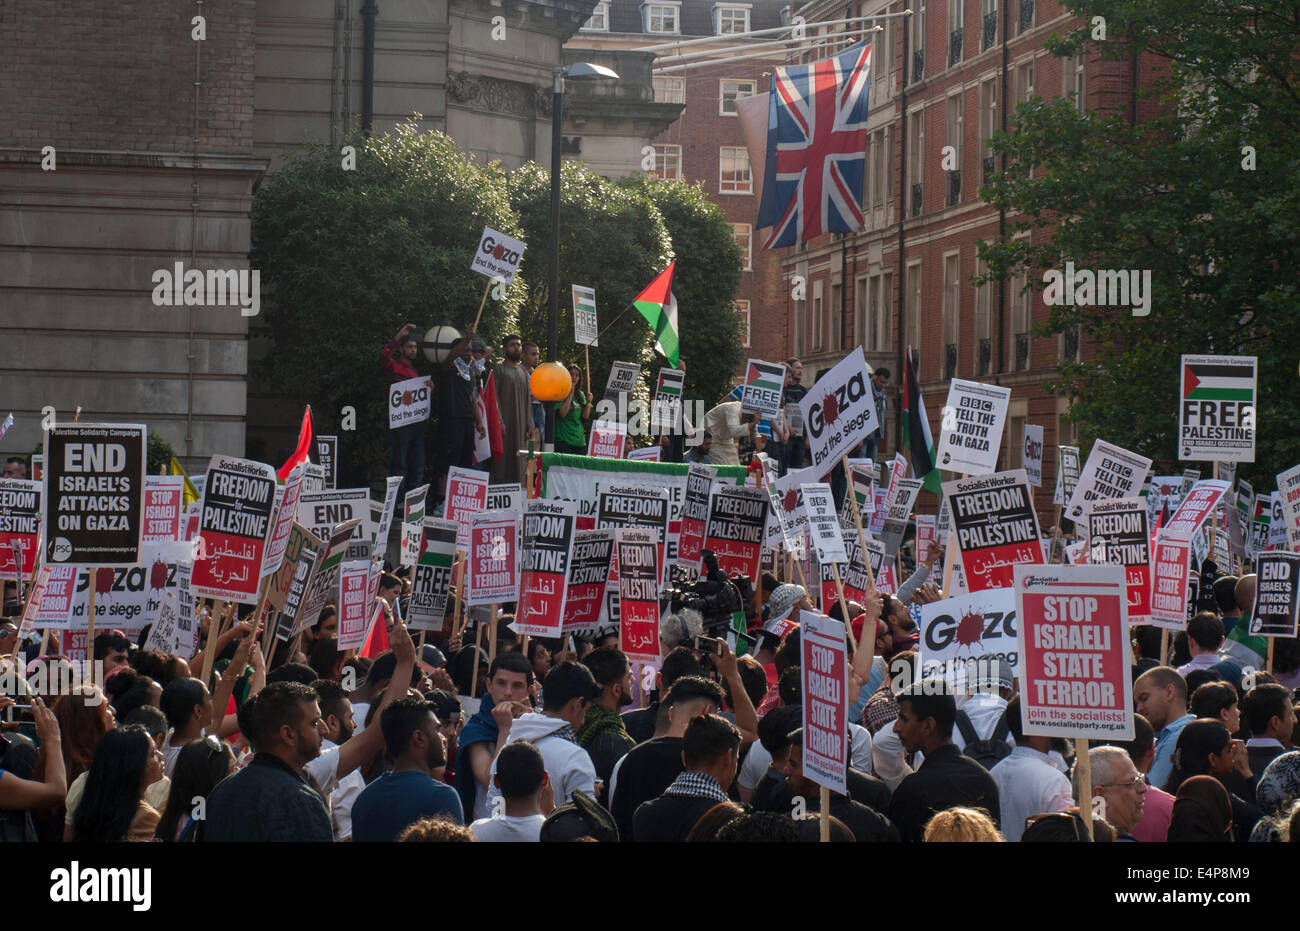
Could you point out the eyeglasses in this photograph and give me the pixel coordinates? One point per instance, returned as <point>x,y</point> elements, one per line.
<point>1133,783</point>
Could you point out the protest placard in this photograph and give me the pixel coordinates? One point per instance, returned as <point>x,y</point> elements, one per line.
<point>587,577</point>
<point>354,605</point>
<point>1189,478</point>
<point>853,574</point>
<point>492,576</point>
<point>20,522</point>
<point>322,511</point>
<point>996,526</point>
<point>618,388</point>
<point>964,637</point>
<point>1074,648</point>
<point>1277,595</point>
<point>736,520</point>
<point>409,402</point>
<point>547,537</point>
<point>327,456</point>
<point>794,419</point>
<point>786,499</point>
<point>839,412</point>
<point>431,577</point>
<point>695,515</point>
<point>585,329</point>
<point>638,592</point>
<point>1111,472</point>
<point>383,520</point>
<point>1033,454</point>
<point>1067,473</point>
<point>504,497</point>
<point>303,555</point>
<point>646,454</point>
<point>93,499</point>
<point>467,491</point>
<point>1118,536</point>
<point>1169,571</point>
<point>666,409</point>
<point>497,255</point>
<point>1276,523</point>
<point>763,385</point>
<point>324,584</point>
<point>971,433</point>
<point>54,609</point>
<point>823,528</point>
<point>1260,523</point>
<point>286,510</point>
<point>925,536</point>
<point>645,506</point>
<point>1288,489</point>
<point>413,524</point>
<point>608,439</point>
<point>863,478</point>
<point>898,511</point>
<point>1216,411</point>
<point>238,499</point>
<point>164,508</point>
<point>1196,507</point>
<point>824,679</point>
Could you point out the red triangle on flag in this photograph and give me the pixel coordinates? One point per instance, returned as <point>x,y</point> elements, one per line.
<point>1190,381</point>
<point>753,373</point>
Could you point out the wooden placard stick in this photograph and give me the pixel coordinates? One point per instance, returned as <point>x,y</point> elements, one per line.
<point>824,817</point>
<point>90,618</point>
<point>478,316</point>
<point>492,632</point>
<point>844,609</point>
<point>457,628</point>
<point>214,633</point>
<point>1083,767</point>
<point>857,523</point>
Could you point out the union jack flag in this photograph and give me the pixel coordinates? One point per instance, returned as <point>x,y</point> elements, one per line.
<point>816,148</point>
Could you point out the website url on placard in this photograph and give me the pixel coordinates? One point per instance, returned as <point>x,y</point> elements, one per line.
<point>1175,896</point>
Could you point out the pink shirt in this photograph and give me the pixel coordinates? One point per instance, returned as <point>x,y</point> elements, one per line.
<point>1157,809</point>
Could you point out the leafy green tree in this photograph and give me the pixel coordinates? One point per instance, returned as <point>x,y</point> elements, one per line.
<point>1203,191</point>
<point>709,266</point>
<point>348,256</point>
<point>610,240</point>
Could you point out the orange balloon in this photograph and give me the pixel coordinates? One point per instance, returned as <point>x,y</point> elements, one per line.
<point>550,382</point>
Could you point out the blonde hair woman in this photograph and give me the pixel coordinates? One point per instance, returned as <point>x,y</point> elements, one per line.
<point>963,826</point>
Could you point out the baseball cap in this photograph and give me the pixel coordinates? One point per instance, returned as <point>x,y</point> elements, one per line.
<point>445,705</point>
<point>431,657</point>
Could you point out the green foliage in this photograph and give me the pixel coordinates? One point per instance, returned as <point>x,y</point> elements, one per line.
<point>158,454</point>
<point>610,240</point>
<point>709,266</point>
<point>1171,195</point>
<point>348,256</point>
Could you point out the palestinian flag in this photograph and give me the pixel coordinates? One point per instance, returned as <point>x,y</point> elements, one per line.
<point>916,430</point>
<point>657,304</point>
<point>189,494</point>
<point>1211,382</point>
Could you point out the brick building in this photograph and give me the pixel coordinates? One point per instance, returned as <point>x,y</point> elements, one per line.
<point>964,58</point>
<point>705,145</point>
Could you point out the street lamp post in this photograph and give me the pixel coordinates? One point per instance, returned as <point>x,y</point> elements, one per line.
<point>578,71</point>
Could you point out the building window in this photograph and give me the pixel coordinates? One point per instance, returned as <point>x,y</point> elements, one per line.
<point>1076,82</point>
<point>916,155</point>
<point>599,21</point>
<point>730,91</point>
<point>1021,319</point>
<point>983,321</point>
<point>879,191</point>
<point>1024,81</point>
<point>742,311</point>
<point>744,233</point>
<point>668,162</point>
<point>729,20</point>
<point>953,137</point>
<point>914,303</point>
<point>818,329</point>
<point>1026,16</point>
<point>800,321</point>
<point>874,304</point>
<point>670,90</point>
<point>662,18</point>
<point>733,170</point>
<point>989,8</point>
<point>955,33</point>
<point>988,126</point>
<point>834,319</point>
<point>951,307</point>
<point>917,22</point>
<point>882,63</point>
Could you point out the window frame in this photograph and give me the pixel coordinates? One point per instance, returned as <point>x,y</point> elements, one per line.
<point>601,7</point>
<point>748,248</point>
<point>749,170</point>
<point>720,8</point>
<point>662,151</point>
<point>648,8</point>
<point>744,313</point>
<point>723,98</point>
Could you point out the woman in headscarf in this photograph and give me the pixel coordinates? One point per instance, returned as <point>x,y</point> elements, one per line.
<point>1202,812</point>
<point>1278,789</point>
<point>1205,748</point>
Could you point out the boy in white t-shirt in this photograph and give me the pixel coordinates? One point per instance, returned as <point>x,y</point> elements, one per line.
<point>526,796</point>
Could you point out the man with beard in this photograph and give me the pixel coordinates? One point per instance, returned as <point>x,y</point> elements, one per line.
<point>516,412</point>
<point>603,734</point>
<point>336,712</point>
<point>272,799</point>
<point>402,797</point>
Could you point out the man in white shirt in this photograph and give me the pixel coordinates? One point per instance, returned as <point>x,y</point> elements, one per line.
<point>526,797</point>
<point>340,725</point>
<point>1204,638</point>
<point>725,423</point>
<point>1028,783</point>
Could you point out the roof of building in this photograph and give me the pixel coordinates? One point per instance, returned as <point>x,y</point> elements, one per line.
<point>697,16</point>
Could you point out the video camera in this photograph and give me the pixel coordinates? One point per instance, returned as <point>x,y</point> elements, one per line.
<point>716,596</point>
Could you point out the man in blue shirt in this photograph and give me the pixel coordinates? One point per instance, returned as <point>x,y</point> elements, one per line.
<point>1160,695</point>
<point>398,799</point>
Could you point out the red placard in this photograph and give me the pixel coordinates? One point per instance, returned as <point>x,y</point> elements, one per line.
<point>20,522</point>
<point>587,578</point>
<point>493,573</point>
<point>737,519</point>
<point>1170,563</point>
<point>548,532</point>
<point>466,495</point>
<point>695,513</point>
<point>638,589</point>
<point>238,501</point>
<point>607,439</point>
<point>1074,652</point>
<point>163,507</point>
<point>825,673</point>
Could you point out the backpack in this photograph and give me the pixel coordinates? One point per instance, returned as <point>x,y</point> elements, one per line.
<point>984,752</point>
